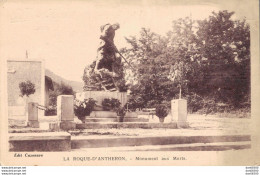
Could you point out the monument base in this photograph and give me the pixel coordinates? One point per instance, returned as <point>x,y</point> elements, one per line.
<point>179,110</point>
<point>54,126</point>
<point>33,124</point>
<point>111,114</point>
<point>183,125</point>
<point>67,125</point>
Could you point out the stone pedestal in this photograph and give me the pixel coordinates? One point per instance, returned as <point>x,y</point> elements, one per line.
<point>33,115</point>
<point>179,112</point>
<point>65,111</point>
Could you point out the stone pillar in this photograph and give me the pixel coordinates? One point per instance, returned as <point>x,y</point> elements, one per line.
<point>65,111</point>
<point>179,112</point>
<point>33,115</point>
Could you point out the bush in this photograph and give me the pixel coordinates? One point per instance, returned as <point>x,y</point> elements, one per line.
<point>161,111</point>
<point>115,103</point>
<point>27,88</point>
<point>110,104</point>
<point>51,110</point>
<point>195,102</point>
<point>83,108</point>
<point>135,103</point>
<point>152,103</point>
<point>59,89</point>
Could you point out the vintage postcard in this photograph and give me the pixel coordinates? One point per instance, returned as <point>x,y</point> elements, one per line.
<point>130,82</point>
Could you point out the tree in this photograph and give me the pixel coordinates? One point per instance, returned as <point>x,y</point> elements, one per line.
<point>225,47</point>
<point>184,55</point>
<point>207,60</point>
<point>60,89</point>
<point>147,56</point>
<point>26,88</point>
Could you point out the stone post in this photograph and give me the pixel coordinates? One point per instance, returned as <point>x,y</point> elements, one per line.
<point>33,115</point>
<point>65,111</point>
<point>179,112</point>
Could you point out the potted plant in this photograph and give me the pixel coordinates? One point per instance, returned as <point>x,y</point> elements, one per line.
<point>83,108</point>
<point>161,112</point>
<point>121,111</point>
<point>115,103</point>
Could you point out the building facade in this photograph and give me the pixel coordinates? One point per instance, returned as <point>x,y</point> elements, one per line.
<point>23,70</point>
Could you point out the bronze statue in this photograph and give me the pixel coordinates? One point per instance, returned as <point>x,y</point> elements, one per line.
<point>102,73</point>
<point>106,53</point>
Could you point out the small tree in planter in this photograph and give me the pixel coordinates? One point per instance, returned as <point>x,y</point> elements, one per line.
<point>121,111</point>
<point>26,89</point>
<point>161,112</point>
<point>83,108</point>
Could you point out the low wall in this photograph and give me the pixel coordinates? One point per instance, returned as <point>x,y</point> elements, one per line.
<point>50,141</point>
<point>99,96</point>
<point>81,142</point>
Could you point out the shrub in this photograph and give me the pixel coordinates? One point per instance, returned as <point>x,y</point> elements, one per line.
<point>110,104</point>
<point>83,108</point>
<point>26,88</point>
<point>59,89</point>
<point>115,103</point>
<point>135,103</point>
<point>195,102</point>
<point>152,104</point>
<point>161,111</point>
<point>51,110</point>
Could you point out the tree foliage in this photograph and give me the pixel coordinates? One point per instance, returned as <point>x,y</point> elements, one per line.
<point>26,88</point>
<point>207,59</point>
<point>59,89</point>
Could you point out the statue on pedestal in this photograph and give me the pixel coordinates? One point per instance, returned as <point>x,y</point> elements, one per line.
<point>102,73</point>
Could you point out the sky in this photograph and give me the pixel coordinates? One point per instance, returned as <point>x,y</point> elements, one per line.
<point>66,34</point>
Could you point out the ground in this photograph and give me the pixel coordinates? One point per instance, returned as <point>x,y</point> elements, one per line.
<point>199,125</point>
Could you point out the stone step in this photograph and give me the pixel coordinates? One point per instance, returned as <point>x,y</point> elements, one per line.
<point>109,141</point>
<point>142,125</point>
<point>220,146</point>
<point>111,114</point>
<point>115,119</point>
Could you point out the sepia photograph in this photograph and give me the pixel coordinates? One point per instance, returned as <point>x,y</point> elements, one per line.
<point>129,82</point>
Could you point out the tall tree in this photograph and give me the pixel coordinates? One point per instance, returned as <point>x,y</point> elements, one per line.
<point>151,71</point>
<point>225,47</point>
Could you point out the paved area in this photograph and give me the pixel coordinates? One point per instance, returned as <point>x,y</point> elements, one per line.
<point>220,146</point>
<point>199,125</point>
